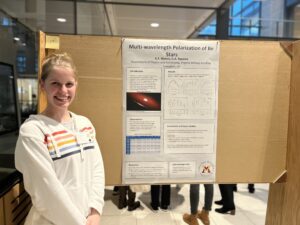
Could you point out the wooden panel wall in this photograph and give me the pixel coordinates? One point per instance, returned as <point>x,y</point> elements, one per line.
<point>253,105</point>
<point>284,199</point>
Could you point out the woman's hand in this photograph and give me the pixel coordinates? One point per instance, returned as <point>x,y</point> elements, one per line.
<point>93,218</point>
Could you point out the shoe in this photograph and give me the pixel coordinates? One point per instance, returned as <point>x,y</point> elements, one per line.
<point>219,202</point>
<point>164,208</point>
<point>122,205</point>
<point>190,219</point>
<point>115,191</point>
<point>134,206</point>
<point>225,211</point>
<point>203,216</point>
<point>234,188</point>
<point>154,207</point>
<point>251,190</point>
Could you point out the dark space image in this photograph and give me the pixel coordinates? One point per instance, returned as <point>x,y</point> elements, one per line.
<point>143,101</point>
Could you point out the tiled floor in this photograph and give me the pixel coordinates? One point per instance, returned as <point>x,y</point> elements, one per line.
<point>250,208</point>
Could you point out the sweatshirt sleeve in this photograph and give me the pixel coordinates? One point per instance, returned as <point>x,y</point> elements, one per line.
<point>96,199</point>
<point>48,195</point>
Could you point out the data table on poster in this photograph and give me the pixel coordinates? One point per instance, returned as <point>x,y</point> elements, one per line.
<point>142,144</point>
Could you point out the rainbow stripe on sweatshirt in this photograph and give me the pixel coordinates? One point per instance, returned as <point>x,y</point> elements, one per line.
<point>67,144</point>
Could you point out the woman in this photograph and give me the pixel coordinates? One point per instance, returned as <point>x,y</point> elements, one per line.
<point>58,154</point>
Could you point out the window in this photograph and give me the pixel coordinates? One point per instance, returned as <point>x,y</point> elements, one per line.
<point>27,95</point>
<point>210,29</point>
<point>244,18</point>
<point>21,63</point>
<point>8,111</point>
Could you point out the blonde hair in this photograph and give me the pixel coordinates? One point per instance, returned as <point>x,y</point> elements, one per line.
<point>59,60</point>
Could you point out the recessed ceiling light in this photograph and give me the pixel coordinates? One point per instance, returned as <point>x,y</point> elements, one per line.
<point>154,24</point>
<point>16,38</point>
<point>62,20</point>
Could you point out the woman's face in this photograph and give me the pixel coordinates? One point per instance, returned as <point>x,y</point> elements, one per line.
<point>60,87</point>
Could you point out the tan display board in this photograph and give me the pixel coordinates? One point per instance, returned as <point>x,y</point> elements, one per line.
<point>254,87</point>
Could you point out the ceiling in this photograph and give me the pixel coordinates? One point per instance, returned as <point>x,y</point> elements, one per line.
<point>176,18</point>
<point>175,22</point>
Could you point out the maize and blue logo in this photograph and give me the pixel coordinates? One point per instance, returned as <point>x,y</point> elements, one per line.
<point>206,168</point>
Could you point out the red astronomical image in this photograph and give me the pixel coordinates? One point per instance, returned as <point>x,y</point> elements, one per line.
<point>144,101</point>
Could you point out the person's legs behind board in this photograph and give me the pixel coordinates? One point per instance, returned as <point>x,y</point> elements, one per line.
<point>191,219</point>
<point>132,204</point>
<point>165,197</point>
<point>115,190</point>
<point>203,215</point>
<point>227,199</point>
<point>155,189</point>
<point>122,197</point>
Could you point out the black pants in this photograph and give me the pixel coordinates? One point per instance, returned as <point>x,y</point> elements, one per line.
<point>251,186</point>
<point>165,195</point>
<point>123,192</point>
<point>227,196</point>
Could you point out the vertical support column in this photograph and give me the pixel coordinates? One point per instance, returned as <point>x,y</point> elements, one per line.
<point>42,54</point>
<point>222,22</point>
<point>75,17</point>
<point>284,199</point>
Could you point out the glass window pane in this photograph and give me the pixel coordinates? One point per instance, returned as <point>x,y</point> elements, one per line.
<point>236,7</point>
<point>8,115</point>
<point>236,21</point>
<point>244,31</point>
<point>247,3</point>
<point>254,31</point>
<point>209,30</point>
<point>235,31</point>
<point>27,95</point>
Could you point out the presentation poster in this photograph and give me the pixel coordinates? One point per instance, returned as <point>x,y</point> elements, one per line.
<point>170,108</point>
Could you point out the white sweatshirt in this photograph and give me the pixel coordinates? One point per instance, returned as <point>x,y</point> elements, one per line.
<point>62,170</point>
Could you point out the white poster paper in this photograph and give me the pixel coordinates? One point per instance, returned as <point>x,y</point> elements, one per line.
<point>190,94</point>
<point>170,101</point>
<point>143,135</point>
<point>146,170</point>
<point>182,169</point>
<point>188,138</point>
